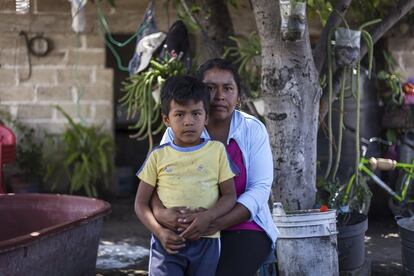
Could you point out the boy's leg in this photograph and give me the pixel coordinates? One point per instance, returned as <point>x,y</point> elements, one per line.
<point>163,264</point>
<point>203,256</point>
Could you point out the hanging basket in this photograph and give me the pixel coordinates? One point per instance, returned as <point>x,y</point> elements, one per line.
<point>347,46</point>
<point>293,19</point>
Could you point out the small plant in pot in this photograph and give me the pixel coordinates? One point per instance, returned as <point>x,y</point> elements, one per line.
<point>352,220</point>
<point>85,159</point>
<point>26,173</point>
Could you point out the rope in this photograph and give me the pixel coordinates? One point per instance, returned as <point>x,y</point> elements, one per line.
<point>105,31</point>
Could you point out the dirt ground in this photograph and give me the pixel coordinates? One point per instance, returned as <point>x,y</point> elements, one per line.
<point>124,240</point>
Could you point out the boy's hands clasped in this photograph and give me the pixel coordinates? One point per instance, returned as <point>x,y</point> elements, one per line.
<point>170,240</point>
<point>200,222</point>
<point>191,223</point>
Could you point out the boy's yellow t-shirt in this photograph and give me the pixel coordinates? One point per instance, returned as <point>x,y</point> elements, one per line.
<point>187,176</point>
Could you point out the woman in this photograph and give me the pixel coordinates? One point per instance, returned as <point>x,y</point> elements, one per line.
<point>248,233</point>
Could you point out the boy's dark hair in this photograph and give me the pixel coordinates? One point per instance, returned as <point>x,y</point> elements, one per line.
<point>223,65</point>
<point>182,89</point>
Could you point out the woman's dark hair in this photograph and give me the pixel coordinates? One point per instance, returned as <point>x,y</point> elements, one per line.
<point>182,89</point>
<point>223,65</point>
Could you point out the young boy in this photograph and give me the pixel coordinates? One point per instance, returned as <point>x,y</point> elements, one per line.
<point>189,172</point>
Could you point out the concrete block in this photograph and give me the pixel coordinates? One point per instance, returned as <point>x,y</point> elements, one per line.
<point>52,6</point>
<point>131,21</point>
<point>86,57</point>
<point>54,23</point>
<point>63,41</point>
<point>36,23</point>
<point>55,93</point>
<point>103,113</point>
<point>41,76</point>
<point>131,6</point>
<point>4,108</point>
<point>7,58</point>
<point>7,77</point>
<point>8,40</point>
<point>104,76</point>
<point>74,76</point>
<point>12,23</point>
<point>96,93</point>
<point>55,59</point>
<point>17,94</point>
<point>103,116</point>
<point>75,111</point>
<point>95,41</point>
<point>7,6</point>
<point>32,111</point>
<point>50,127</point>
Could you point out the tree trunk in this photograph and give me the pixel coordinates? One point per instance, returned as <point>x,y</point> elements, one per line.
<point>291,92</point>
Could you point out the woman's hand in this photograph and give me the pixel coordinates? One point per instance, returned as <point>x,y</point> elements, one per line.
<point>200,222</point>
<point>176,219</point>
<point>212,228</point>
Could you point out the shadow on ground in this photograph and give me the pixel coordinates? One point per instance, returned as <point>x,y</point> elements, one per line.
<point>125,242</point>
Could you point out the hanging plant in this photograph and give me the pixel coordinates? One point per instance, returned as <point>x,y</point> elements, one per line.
<point>142,96</point>
<point>347,54</point>
<point>247,55</point>
<point>347,46</point>
<point>293,19</point>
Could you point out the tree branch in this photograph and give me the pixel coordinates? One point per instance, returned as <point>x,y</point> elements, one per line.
<point>207,39</point>
<point>399,11</point>
<point>319,53</point>
<point>215,18</point>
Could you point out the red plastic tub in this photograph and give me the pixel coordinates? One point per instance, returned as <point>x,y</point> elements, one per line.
<point>48,234</point>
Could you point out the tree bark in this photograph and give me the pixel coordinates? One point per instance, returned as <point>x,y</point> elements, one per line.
<point>291,92</point>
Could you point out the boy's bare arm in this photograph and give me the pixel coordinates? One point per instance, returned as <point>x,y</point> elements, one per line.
<point>170,240</point>
<point>201,221</point>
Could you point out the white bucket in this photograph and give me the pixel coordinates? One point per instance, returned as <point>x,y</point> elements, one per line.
<point>307,243</point>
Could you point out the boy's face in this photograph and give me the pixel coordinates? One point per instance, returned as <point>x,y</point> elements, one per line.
<point>187,122</point>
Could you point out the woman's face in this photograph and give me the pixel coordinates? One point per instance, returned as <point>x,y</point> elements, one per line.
<point>224,94</point>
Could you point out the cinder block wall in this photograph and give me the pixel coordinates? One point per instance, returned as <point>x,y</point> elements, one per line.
<point>402,50</point>
<point>72,74</point>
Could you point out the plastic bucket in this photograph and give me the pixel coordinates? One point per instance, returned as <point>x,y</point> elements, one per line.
<point>406,226</point>
<point>307,243</point>
<point>351,243</point>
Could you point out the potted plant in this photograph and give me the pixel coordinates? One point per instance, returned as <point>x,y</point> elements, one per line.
<point>85,159</point>
<point>26,173</point>
<point>352,220</point>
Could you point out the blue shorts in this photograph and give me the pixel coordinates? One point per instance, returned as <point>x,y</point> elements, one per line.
<point>198,258</point>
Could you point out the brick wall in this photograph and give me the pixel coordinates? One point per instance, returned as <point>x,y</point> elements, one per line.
<point>72,75</point>
<point>402,50</point>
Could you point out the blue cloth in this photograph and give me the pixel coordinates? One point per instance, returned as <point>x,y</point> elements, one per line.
<point>251,136</point>
<point>198,258</point>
